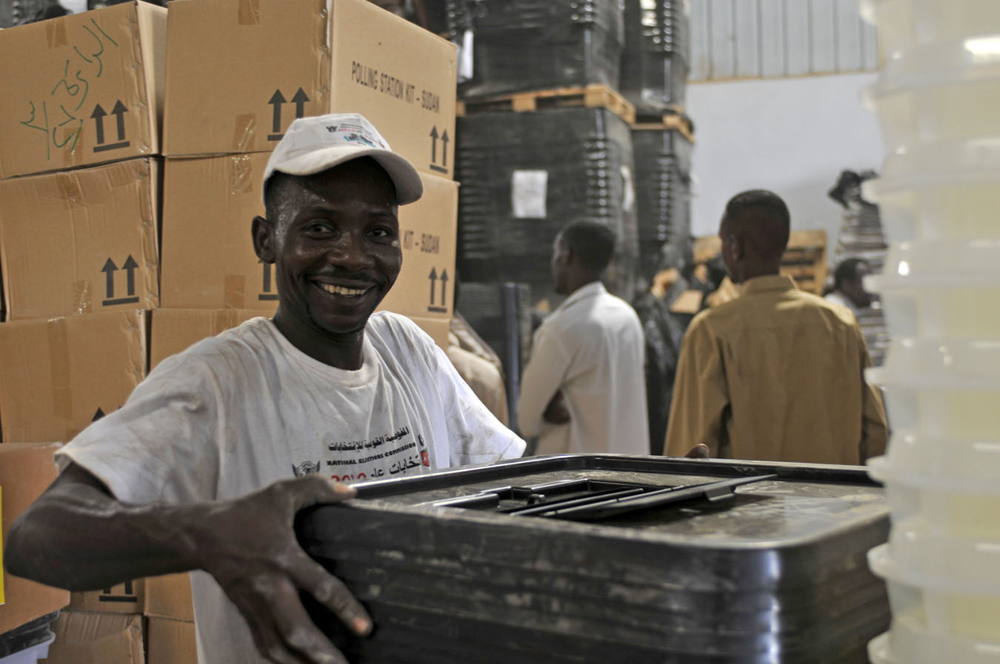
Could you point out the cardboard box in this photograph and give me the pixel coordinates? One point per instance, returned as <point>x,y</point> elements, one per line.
<point>429,236</point>
<point>239,72</point>
<point>26,471</point>
<point>59,375</point>
<point>129,598</point>
<point>169,597</point>
<point>174,330</point>
<point>172,642</point>
<point>210,203</point>
<point>98,638</point>
<point>81,241</point>
<point>82,89</point>
<point>437,328</point>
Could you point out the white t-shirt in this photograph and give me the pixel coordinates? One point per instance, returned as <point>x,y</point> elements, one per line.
<point>836,297</point>
<point>245,409</point>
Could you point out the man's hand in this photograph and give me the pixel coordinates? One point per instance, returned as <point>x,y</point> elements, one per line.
<point>79,537</point>
<point>249,546</point>
<point>555,412</point>
<point>699,451</point>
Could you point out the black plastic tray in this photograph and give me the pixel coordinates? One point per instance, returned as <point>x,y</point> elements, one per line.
<point>776,574</point>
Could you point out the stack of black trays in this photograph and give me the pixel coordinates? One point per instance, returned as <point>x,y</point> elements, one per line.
<point>662,191</point>
<point>586,157</point>
<point>485,309</point>
<point>656,57</point>
<point>27,636</point>
<point>524,45</point>
<point>770,571</point>
<point>502,315</point>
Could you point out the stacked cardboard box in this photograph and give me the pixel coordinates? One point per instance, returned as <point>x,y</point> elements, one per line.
<point>79,215</point>
<point>26,470</point>
<point>89,283</point>
<point>79,218</point>
<point>283,60</point>
<point>170,620</point>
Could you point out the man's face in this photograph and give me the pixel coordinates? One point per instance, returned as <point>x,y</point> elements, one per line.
<point>560,264</point>
<point>335,247</point>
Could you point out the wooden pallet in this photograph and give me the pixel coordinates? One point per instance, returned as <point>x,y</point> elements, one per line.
<point>670,121</point>
<point>804,259</point>
<point>592,96</point>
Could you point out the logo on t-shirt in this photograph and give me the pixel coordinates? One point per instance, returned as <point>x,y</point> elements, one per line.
<point>388,455</point>
<point>305,468</point>
<point>424,457</point>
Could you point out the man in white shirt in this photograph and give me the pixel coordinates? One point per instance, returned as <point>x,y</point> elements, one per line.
<point>208,462</point>
<point>584,389</point>
<point>849,285</point>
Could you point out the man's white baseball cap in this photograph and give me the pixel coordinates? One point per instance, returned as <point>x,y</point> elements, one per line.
<point>314,144</point>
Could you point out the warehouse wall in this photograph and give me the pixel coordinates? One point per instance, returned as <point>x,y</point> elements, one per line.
<point>790,135</point>
<point>777,38</point>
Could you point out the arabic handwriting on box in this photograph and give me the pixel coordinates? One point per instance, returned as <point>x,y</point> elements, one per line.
<point>68,90</point>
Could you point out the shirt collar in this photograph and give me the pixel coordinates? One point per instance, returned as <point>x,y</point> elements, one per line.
<point>590,290</point>
<point>776,282</point>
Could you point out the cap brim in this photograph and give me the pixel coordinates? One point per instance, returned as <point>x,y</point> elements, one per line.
<point>409,186</point>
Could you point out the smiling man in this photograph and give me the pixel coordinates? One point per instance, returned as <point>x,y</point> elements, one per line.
<point>207,464</point>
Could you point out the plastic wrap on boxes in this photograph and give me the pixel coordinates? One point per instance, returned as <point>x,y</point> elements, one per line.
<point>540,44</point>
<point>662,191</point>
<point>656,54</point>
<point>501,314</point>
<point>526,175</point>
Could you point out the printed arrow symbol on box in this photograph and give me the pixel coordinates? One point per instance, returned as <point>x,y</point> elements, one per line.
<point>444,287</point>
<point>98,116</point>
<point>277,99</point>
<point>444,148</point>
<point>434,148</point>
<point>434,278</point>
<point>267,277</point>
<point>109,269</point>
<point>120,111</point>
<point>130,266</point>
<point>299,100</point>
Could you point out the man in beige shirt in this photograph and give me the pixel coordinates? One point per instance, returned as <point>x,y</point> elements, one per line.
<point>777,374</point>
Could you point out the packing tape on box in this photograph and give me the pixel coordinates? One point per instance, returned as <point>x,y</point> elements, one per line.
<point>235,291</point>
<point>241,175</point>
<point>69,188</point>
<point>62,393</point>
<point>222,321</point>
<point>55,33</point>
<point>244,132</point>
<point>82,297</point>
<point>249,12</point>
<point>128,173</point>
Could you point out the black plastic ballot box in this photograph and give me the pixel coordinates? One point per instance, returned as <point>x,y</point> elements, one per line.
<point>605,558</point>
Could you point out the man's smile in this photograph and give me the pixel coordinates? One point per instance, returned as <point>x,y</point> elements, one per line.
<point>344,290</point>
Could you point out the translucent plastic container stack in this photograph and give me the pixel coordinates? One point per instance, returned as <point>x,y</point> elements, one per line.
<point>938,104</point>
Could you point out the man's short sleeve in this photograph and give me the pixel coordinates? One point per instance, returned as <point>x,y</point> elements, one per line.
<point>160,447</point>
<point>476,435</point>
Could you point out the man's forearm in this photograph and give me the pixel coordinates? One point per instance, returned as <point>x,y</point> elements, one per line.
<point>79,537</point>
